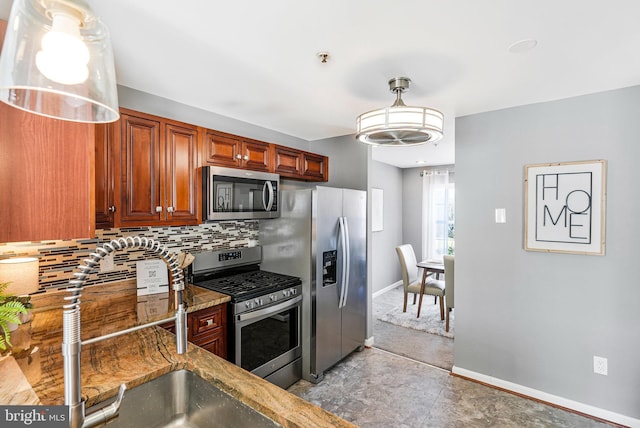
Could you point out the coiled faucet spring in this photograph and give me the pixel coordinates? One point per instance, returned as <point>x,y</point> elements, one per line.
<point>71,342</point>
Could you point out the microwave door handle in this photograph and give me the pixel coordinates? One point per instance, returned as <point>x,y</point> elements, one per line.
<point>269,187</point>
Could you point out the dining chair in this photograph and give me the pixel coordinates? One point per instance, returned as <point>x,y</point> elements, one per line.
<point>449,284</point>
<point>412,282</point>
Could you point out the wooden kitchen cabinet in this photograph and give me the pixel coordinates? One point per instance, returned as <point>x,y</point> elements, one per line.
<point>300,165</point>
<point>222,149</point>
<point>315,167</point>
<point>46,177</point>
<point>207,328</point>
<point>153,171</point>
<point>287,161</point>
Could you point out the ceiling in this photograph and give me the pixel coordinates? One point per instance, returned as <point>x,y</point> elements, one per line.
<point>256,61</point>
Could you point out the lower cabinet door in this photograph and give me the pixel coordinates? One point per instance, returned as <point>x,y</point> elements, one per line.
<point>217,346</point>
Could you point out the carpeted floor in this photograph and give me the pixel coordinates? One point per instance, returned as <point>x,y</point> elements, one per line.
<point>429,320</point>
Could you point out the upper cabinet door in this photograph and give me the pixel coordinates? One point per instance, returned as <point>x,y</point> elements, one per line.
<point>287,161</point>
<point>46,177</point>
<point>222,149</point>
<point>315,167</point>
<point>181,163</point>
<point>140,169</point>
<point>256,155</point>
<point>105,174</point>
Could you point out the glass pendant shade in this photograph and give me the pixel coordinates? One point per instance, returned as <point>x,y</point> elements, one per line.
<point>400,125</point>
<point>57,61</point>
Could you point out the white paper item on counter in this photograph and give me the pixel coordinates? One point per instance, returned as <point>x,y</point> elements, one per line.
<point>152,277</point>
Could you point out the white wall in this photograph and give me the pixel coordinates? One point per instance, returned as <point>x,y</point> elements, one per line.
<point>537,319</point>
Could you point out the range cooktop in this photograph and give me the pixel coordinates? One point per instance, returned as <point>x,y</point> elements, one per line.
<point>248,285</point>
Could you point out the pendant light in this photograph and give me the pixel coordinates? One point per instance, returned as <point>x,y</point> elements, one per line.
<point>57,61</point>
<point>399,125</point>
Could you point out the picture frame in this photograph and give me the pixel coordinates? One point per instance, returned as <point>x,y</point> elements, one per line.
<point>223,200</point>
<point>565,207</point>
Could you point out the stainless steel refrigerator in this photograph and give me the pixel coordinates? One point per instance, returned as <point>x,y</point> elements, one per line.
<point>321,238</point>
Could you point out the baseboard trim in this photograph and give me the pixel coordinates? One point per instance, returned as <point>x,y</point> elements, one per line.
<point>368,342</point>
<point>387,288</point>
<point>553,400</point>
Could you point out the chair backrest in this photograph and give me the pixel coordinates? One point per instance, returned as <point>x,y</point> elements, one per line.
<point>408,264</point>
<point>449,281</point>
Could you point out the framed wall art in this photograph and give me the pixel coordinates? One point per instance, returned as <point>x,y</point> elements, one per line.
<point>565,207</point>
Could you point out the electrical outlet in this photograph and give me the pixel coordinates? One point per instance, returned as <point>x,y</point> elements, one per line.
<point>107,263</point>
<point>600,365</point>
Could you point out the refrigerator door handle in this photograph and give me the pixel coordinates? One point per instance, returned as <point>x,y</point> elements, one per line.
<point>269,202</point>
<point>347,261</point>
<point>343,244</point>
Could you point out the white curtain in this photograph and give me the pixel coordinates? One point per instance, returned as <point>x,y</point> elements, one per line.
<point>434,214</point>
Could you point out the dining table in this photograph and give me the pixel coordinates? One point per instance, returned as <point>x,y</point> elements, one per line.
<point>428,266</point>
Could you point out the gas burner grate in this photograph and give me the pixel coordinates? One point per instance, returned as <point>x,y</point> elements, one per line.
<point>247,285</point>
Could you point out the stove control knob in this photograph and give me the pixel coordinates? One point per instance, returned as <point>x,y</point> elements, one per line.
<point>293,291</point>
<point>285,293</point>
<point>272,297</point>
<point>247,305</point>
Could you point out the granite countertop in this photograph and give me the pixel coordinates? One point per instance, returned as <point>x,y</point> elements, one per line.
<point>136,357</point>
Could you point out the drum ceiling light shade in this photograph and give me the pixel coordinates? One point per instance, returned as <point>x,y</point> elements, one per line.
<point>400,125</point>
<point>57,61</point>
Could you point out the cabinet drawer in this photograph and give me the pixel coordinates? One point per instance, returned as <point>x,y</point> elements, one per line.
<point>207,321</point>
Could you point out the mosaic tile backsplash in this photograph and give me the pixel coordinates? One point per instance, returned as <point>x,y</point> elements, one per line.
<point>58,259</point>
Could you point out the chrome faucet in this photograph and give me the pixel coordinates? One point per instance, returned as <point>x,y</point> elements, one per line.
<point>71,342</point>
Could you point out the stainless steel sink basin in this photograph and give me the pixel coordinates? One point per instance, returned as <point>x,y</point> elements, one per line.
<point>184,399</point>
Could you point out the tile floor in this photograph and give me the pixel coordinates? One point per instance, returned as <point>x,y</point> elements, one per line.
<point>377,388</point>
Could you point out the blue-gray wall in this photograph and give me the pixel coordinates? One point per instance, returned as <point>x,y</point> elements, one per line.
<point>384,261</point>
<point>152,104</point>
<point>537,319</point>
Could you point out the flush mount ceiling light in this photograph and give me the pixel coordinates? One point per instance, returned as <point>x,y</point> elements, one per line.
<point>57,61</point>
<point>399,125</point>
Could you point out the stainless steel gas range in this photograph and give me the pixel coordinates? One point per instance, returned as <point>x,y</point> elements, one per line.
<point>265,312</point>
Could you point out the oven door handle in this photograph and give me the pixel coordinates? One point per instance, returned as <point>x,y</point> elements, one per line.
<point>287,304</point>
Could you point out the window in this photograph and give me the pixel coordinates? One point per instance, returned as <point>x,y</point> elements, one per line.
<point>438,212</point>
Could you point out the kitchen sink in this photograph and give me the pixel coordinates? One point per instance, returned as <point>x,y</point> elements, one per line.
<point>184,399</point>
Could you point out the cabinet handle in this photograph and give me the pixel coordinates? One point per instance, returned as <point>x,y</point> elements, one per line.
<point>170,209</point>
<point>209,322</point>
<point>112,209</point>
<point>246,157</point>
<point>158,209</point>
<point>238,156</point>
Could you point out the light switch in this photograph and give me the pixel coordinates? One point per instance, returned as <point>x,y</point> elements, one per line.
<point>501,215</point>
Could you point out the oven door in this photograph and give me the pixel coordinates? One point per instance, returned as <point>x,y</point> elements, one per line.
<point>269,338</point>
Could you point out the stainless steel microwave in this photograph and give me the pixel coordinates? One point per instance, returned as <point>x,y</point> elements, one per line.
<point>235,194</point>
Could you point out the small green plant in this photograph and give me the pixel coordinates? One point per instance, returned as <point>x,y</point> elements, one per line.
<point>10,309</point>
